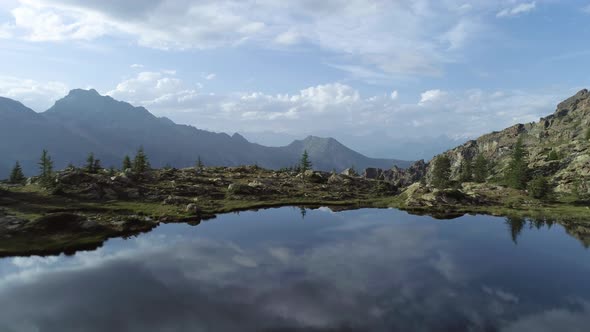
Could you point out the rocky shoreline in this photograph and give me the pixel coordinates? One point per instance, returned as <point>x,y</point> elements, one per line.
<point>81,210</point>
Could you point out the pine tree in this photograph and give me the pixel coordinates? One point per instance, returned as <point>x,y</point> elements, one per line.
<point>90,163</point>
<point>517,173</point>
<point>516,225</point>
<point>200,164</point>
<point>480,169</point>
<point>466,171</point>
<point>576,193</point>
<point>305,163</point>
<point>140,163</point>
<point>441,175</point>
<point>127,163</point>
<point>46,168</point>
<point>96,166</point>
<point>539,187</point>
<point>16,175</point>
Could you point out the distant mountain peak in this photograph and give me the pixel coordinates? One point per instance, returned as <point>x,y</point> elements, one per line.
<point>92,105</point>
<point>83,92</point>
<point>239,137</point>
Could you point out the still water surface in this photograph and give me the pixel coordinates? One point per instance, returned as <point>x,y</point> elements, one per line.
<point>284,270</point>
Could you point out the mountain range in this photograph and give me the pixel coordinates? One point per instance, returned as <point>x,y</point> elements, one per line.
<point>85,121</point>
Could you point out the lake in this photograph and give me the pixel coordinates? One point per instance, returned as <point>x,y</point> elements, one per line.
<point>290,269</point>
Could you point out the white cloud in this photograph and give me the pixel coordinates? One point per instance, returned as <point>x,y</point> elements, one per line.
<point>431,96</point>
<point>289,37</point>
<point>149,88</point>
<point>394,95</point>
<point>210,77</point>
<point>45,24</point>
<point>136,66</point>
<point>6,31</point>
<point>553,320</point>
<point>332,109</point>
<point>336,109</point>
<point>501,294</point>
<point>461,33</point>
<point>36,95</point>
<point>517,10</point>
<point>392,37</point>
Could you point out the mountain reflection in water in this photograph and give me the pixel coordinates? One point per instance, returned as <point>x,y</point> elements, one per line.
<point>283,270</point>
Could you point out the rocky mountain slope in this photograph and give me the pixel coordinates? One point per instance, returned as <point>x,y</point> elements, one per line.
<point>84,121</point>
<point>564,132</point>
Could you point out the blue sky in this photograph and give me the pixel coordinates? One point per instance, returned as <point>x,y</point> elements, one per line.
<point>375,74</point>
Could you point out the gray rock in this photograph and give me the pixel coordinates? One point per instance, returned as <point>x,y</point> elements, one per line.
<point>349,172</point>
<point>336,179</point>
<point>372,173</point>
<point>193,209</point>
<point>175,200</point>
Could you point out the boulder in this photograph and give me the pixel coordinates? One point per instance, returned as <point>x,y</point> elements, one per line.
<point>240,189</point>
<point>372,173</point>
<point>349,172</point>
<point>314,177</point>
<point>193,209</point>
<point>74,177</point>
<point>175,200</point>
<point>256,184</point>
<point>121,178</point>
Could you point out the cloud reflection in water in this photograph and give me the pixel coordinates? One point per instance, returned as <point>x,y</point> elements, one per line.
<point>379,270</point>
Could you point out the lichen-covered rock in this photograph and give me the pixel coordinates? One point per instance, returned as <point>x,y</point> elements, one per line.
<point>336,179</point>
<point>240,189</point>
<point>176,200</point>
<point>349,172</point>
<point>314,177</point>
<point>193,209</point>
<point>563,132</point>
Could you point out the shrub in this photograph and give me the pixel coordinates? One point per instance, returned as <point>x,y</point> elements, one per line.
<point>553,155</point>
<point>539,187</point>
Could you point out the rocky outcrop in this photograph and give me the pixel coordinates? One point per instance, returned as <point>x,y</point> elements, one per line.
<point>399,177</point>
<point>349,172</point>
<point>564,132</point>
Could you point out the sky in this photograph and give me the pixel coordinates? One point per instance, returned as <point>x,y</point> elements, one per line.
<point>386,77</point>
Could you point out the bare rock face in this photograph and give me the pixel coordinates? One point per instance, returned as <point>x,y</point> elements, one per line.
<point>565,132</point>
<point>398,176</point>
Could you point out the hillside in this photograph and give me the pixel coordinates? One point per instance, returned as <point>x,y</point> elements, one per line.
<point>565,132</point>
<point>84,121</point>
